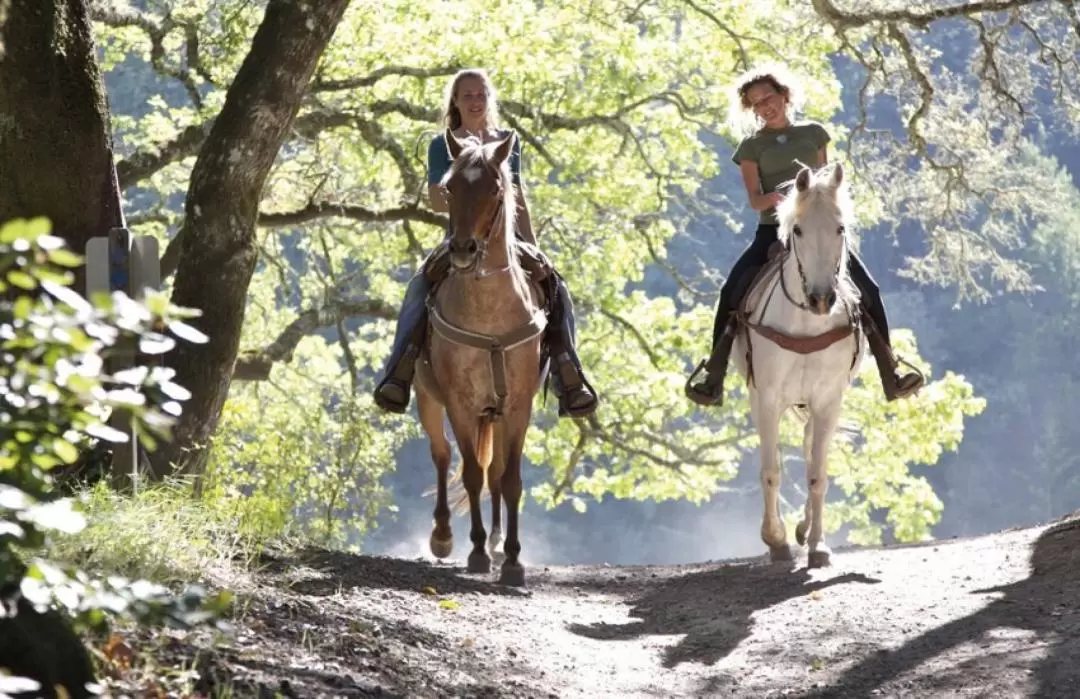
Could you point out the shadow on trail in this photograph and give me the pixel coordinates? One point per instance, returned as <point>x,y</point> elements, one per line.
<point>340,571</point>
<point>1045,604</point>
<point>712,607</point>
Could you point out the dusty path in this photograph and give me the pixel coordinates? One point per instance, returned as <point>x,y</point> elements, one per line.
<point>990,616</point>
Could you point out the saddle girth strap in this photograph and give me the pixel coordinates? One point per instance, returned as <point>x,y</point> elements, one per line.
<point>496,345</point>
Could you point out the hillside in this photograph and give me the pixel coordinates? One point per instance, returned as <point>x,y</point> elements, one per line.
<point>993,615</point>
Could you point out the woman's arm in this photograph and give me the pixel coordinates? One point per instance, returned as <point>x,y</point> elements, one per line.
<point>524,219</point>
<point>438,166</point>
<point>437,197</point>
<point>752,181</point>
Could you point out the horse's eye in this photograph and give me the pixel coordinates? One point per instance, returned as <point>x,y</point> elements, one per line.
<point>840,230</point>
<point>797,231</point>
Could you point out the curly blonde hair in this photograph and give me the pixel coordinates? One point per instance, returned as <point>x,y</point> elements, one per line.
<point>741,117</point>
<point>451,115</point>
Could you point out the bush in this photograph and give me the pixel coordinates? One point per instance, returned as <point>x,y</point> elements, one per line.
<point>55,399</point>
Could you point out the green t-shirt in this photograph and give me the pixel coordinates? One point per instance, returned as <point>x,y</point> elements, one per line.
<point>776,151</point>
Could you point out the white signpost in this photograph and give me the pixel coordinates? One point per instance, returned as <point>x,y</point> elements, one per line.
<point>132,265</point>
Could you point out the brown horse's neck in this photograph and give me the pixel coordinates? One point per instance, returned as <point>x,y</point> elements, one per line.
<point>497,293</point>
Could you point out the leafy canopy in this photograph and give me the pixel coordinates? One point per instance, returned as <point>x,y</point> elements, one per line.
<point>620,108</point>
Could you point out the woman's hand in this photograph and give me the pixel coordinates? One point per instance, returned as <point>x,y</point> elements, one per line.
<point>766,201</point>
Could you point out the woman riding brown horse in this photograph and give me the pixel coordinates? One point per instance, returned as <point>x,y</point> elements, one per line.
<point>471,110</point>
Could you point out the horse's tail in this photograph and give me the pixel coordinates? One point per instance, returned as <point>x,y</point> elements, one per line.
<point>456,494</point>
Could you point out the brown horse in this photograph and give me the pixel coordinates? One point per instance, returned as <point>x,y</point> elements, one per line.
<point>481,364</point>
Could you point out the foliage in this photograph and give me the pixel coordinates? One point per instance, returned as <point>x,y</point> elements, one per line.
<point>619,108</point>
<point>161,533</point>
<point>56,397</point>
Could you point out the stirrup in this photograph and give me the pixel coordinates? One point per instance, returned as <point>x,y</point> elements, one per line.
<point>697,396</point>
<point>563,360</point>
<point>399,407</point>
<point>914,388</point>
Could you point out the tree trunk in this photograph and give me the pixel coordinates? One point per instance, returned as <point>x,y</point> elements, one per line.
<point>55,161</point>
<point>218,250</point>
<point>55,138</point>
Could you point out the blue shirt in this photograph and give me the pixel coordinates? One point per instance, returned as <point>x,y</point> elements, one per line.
<point>439,159</point>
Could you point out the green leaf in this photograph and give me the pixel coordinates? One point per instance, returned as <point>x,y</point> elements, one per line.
<point>22,280</point>
<point>65,258</point>
<point>65,450</point>
<point>24,229</point>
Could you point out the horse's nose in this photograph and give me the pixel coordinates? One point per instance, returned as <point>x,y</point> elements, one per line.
<point>821,303</point>
<point>467,247</point>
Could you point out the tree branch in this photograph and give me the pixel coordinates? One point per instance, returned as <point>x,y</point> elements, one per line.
<point>842,19</point>
<point>385,71</point>
<point>317,210</point>
<point>118,16</point>
<point>255,365</point>
<point>144,164</point>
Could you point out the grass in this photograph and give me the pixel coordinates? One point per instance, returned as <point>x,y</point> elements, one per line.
<point>165,535</point>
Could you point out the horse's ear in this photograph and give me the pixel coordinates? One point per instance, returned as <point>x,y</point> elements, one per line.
<point>837,174</point>
<point>802,180</point>
<point>502,151</point>
<point>453,146</point>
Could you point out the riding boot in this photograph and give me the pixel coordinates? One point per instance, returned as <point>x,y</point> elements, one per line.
<point>393,392</point>
<point>576,396</point>
<point>710,391</point>
<point>896,385</point>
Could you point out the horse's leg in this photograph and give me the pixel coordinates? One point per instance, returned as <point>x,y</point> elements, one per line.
<point>808,445</point>
<point>472,434</point>
<point>431,417</point>
<point>494,483</point>
<point>513,573</point>
<point>825,421</point>
<point>773,533</point>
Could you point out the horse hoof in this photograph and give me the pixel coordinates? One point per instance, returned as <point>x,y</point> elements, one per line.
<point>513,575</point>
<point>818,559</point>
<point>781,554</point>
<point>498,558</point>
<point>441,548</point>
<point>800,533</point>
<point>479,562</point>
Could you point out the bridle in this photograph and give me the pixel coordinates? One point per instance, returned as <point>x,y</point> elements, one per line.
<point>498,217</point>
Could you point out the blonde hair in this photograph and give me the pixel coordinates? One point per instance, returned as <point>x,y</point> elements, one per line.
<point>451,116</point>
<point>741,117</point>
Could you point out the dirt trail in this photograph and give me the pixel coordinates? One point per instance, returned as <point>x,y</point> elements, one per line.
<point>989,616</point>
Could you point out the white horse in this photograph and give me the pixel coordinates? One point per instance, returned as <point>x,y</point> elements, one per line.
<point>804,347</point>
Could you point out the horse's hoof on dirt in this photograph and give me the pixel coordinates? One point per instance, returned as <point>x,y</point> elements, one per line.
<point>781,554</point>
<point>800,533</point>
<point>441,548</point>
<point>513,575</point>
<point>498,558</point>
<point>818,559</point>
<point>479,562</point>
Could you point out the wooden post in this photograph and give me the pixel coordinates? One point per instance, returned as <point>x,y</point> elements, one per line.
<point>120,263</point>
